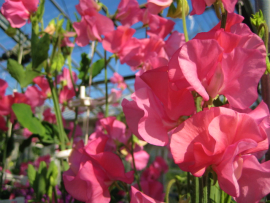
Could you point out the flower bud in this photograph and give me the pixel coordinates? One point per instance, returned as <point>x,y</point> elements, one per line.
<point>176,12</point>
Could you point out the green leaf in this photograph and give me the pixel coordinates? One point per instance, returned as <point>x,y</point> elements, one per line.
<point>31,173</point>
<point>24,115</point>
<point>29,75</point>
<point>84,68</point>
<point>10,31</point>
<point>16,70</point>
<point>24,77</point>
<point>40,182</point>
<point>40,11</point>
<point>97,67</point>
<point>58,62</point>
<point>39,49</point>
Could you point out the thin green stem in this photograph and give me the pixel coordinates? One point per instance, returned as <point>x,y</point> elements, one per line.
<point>170,184</point>
<point>55,194</point>
<point>62,135</point>
<point>134,166</point>
<point>184,20</point>
<point>188,182</point>
<point>106,85</point>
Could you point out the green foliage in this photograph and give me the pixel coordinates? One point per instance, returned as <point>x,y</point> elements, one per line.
<point>176,11</point>
<point>39,49</point>
<point>40,11</point>
<point>48,138</point>
<point>44,180</point>
<point>24,77</point>
<point>24,115</point>
<point>85,68</point>
<point>11,31</point>
<point>58,62</point>
<point>257,19</point>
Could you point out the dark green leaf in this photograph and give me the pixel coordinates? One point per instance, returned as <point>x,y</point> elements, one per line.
<point>97,67</point>
<point>24,115</point>
<point>28,78</point>
<point>84,68</point>
<point>39,49</point>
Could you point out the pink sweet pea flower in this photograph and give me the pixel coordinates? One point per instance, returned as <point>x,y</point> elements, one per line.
<point>174,42</point>
<point>3,125</point>
<point>3,87</point>
<point>119,80</point>
<point>139,197</point>
<point>65,78</point>
<point>17,12</point>
<point>157,107</point>
<point>35,96</point>
<point>114,97</point>
<point>141,159</point>
<point>65,95</point>
<point>156,6</point>
<point>158,25</point>
<point>49,116</point>
<point>129,12</point>
<point>121,43</point>
<point>84,5</point>
<point>92,171</point>
<point>91,27</point>
<point>153,189</point>
<point>206,140</point>
<point>199,5</point>
<point>221,74</point>
<point>42,82</point>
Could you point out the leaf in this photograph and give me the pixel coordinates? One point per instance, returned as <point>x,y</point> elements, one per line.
<point>29,75</point>
<point>24,115</point>
<point>31,173</point>
<point>39,49</point>
<point>24,77</point>
<point>16,70</point>
<point>84,68</point>
<point>40,182</point>
<point>97,67</point>
<point>40,11</point>
<point>58,62</point>
<point>26,143</point>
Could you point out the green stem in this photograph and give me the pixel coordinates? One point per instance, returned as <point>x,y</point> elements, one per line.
<point>266,36</point>
<point>55,194</point>
<point>188,182</point>
<point>223,16</point>
<point>205,188</point>
<point>184,20</point>
<point>106,85</point>
<point>134,166</point>
<point>62,135</point>
<point>170,184</point>
<point>70,73</point>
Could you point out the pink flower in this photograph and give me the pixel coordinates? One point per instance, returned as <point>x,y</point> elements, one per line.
<point>35,96</point>
<point>138,197</point>
<point>65,95</point>
<point>128,12</point>
<point>3,87</point>
<point>49,116</point>
<point>220,138</point>
<point>158,25</point>
<point>155,6</point>
<point>152,190</point>
<point>84,5</point>
<point>154,171</point>
<point>3,124</point>
<point>114,97</point>
<point>92,171</point>
<point>224,73</point>
<point>199,5</point>
<point>121,43</point>
<point>42,82</point>
<point>157,107</point>
<point>174,42</point>
<point>65,78</point>
<point>17,12</point>
<point>119,80</point>
<point>141,159</point>
<point>91,27</point>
